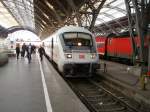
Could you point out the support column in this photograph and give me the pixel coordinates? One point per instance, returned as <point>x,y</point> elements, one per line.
<point>138,16</point>
<point>95,14</point>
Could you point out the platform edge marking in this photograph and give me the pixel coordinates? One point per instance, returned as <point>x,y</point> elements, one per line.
<point>46,95</point>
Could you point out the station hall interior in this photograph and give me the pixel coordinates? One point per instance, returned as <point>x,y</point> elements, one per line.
<point>79,55</point>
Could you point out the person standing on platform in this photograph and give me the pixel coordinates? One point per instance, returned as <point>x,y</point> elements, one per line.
<point>23,50</point>
<point>41,51</point>
<point>17,50</point>
<point>29,52</point>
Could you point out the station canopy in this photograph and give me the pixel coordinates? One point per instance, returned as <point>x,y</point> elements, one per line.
<point>45,16</point>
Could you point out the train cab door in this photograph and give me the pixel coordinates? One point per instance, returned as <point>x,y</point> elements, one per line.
<point>52,48</point>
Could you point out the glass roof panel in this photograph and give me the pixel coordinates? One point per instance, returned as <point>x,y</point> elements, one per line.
<point>22,10</point>
<point>118,3</point>
<point>112,9</point>
<point>102,19</point>
<point>6,19</point>
<point>104,10</point>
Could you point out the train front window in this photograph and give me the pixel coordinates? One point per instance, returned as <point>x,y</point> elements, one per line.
<point>77,39</point>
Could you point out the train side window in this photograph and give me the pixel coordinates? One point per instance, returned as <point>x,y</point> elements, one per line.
<point>100,44</point>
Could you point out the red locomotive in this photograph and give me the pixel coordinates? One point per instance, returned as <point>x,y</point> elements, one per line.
<point>118,47</point>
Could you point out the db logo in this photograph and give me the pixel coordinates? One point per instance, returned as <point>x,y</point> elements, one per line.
<point>81,56</point>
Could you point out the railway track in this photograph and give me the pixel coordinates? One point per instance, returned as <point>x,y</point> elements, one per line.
<point>97,98</point>
<point>96,95</point>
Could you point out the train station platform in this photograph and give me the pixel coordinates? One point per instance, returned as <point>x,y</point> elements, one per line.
<point>35,87</point>
<point>127,79</point>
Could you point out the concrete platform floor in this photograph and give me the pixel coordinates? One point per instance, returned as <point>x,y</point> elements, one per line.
<point>22,88</point>
<point>128,80</point>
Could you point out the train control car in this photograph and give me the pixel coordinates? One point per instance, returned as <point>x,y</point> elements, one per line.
<point>73,49</point>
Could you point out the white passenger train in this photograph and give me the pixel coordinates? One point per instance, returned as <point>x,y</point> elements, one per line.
<point>73,49</point>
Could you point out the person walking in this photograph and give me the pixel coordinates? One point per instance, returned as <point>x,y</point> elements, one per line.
<point>17,50</point>
<point>23,50</point>
<point>41,51</point>
<point>29,52</point>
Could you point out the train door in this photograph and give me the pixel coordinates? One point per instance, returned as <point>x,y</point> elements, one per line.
<point>100,41</point>
<point>106,44</point>
<point>110,47</point>
<point>52,47</point>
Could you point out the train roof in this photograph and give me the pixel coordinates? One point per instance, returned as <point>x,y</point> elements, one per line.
<point>68,29</point>
<point>119,35</point>
<point>72,29</point>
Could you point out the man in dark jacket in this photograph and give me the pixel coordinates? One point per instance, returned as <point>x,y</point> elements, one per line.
<point>29,52</point>
<point>17,50</point>
<point>41,51</point>
<point>23,50</point>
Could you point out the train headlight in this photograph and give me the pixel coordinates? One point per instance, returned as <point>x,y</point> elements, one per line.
<point>79,44</point>
<point>93,56</point>
<point>69,55</point>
